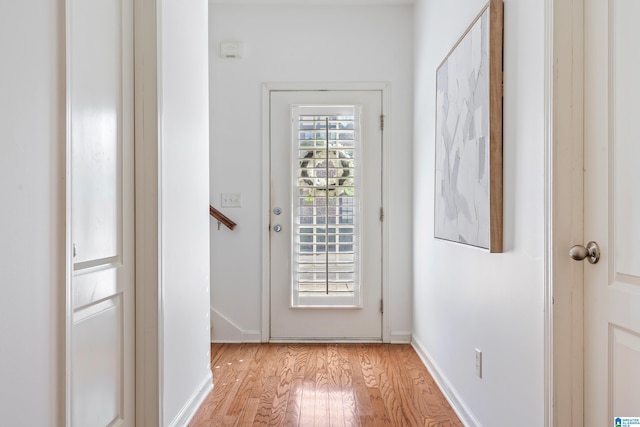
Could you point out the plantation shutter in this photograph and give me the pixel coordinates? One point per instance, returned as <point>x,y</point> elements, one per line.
<point>326,222</point>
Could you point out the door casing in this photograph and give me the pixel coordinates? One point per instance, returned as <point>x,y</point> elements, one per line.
<point>564,213</point>
<point>267,88</point>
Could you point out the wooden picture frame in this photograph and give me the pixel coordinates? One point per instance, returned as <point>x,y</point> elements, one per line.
<point>468,145</point>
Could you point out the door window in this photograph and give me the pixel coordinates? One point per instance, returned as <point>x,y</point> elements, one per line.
<point>325,192</point>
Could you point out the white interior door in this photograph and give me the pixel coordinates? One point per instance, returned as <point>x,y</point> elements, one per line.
<point>612,211</point>
<point>326,199</point>
<point>100,107</point>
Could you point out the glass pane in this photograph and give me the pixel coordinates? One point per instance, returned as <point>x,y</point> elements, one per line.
<point>326,189</point>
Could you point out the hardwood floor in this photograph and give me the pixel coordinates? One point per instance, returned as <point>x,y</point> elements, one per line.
<point>321,385</point>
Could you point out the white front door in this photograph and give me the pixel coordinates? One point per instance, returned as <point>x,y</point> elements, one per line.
<point>326,199</point>
<point>612,211</point>
<point>100,140</point>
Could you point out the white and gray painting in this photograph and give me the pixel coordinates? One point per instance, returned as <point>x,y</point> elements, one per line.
<point>462,141</point>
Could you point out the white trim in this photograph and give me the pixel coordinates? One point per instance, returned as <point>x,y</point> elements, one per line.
<point>563,213</point>
<point>148,398</point>
<point>160,122</point>
<point>453,397</point>
<point>548,215</point>
<point>68,311</point>
<point>267,88</point>
<point>251,336</point>
<point>266,203</point>
<point>400,337</point>
<point>191,406</point>
<point>323,341</point>
<point>388,211</point>
<point>229,331</point>
<point>333,86</point>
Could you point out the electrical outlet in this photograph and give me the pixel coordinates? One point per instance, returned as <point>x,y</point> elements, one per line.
<point>231,200</point>
<point>478,363</point>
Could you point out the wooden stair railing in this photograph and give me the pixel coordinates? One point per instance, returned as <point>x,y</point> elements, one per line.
<point>221,218</point>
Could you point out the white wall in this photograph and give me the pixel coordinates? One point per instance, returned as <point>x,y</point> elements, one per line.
<point>465,298</point>
<point>376,46</point>
<point>32,274</point>
<point>184,199</point>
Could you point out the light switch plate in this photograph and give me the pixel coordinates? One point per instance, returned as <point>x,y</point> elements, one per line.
<point>231,200</point>
<point>478,363</point>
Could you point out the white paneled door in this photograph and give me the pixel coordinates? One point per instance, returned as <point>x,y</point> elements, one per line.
<point>612,211</point>
<point>100,144</point>
<point>325,215</point>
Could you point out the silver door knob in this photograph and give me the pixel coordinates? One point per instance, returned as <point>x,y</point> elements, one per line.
<point>277,211</point>
<point>591,252</point>
<point>277,228</point>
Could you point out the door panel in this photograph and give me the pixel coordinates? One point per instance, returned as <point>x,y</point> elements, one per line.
<point>625,375</point>
<point>100,52</point>
<point>97,363</point>
<point>612,209</point>
<point>326,239</point>
<point>96,64</point>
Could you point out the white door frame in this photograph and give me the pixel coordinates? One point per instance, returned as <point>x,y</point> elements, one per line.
<point>267,88</point>
<point>149,313</point>
<point>563,212</point>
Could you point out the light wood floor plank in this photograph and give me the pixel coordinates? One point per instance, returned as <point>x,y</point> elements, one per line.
<point>322,385</point>
<point>380,416</point>
<point>285,372</point>
<point>334,375</point>
<point>322,389</point>
<point>248,412</point>
<point>360,391</point>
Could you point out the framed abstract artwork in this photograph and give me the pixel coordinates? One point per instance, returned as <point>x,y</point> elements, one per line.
<point>468,144</point>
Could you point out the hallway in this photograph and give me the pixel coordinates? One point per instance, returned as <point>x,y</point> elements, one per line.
<point>322,385</point>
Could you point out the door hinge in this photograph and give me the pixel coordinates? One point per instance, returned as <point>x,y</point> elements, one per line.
<point>381,121</point>
<point>381,214</point>
<point>381,306</point>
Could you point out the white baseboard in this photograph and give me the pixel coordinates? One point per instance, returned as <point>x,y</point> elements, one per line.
<point>251,336</point>
<point>458,405</point>
<point>193,404</point>
<point>224,330</point>
<point>400,337</point>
